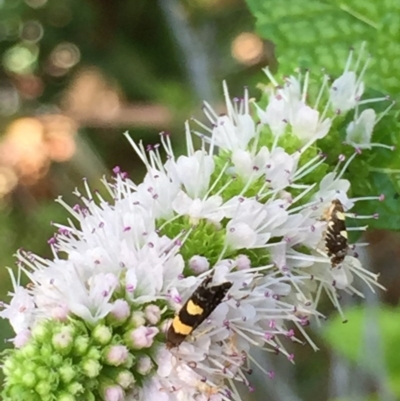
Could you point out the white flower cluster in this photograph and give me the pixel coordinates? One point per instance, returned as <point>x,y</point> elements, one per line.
<point>243,207</point>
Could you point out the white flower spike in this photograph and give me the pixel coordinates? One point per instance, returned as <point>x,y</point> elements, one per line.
<point>161,290</point>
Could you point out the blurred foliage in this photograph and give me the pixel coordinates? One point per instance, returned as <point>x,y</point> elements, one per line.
<point>350,339</point>
<point>319,33</point>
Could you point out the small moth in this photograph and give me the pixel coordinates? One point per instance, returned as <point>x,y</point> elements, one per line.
<point>197,308</point>
<point>336,244</point>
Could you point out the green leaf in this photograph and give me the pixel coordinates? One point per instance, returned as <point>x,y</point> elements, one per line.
<point>348,339</point>
<point>389,209</point>
<point>318,33</point>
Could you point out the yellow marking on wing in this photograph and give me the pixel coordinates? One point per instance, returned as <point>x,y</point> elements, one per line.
<point>194,309</point>
<point>341,216</point>
<point>181,328</point>
<point>344,234</point>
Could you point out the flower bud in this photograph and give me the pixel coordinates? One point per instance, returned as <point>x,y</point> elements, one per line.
<point>40,332</point>
<point>29,379</point>
<point>130,360</point>
<point>115,355</point>
<point>41,372</point>
<point>22,338</point>
<point>144,365</point>
<point>81,345</point>
<point>60,313</point>
<point>63,341</point>
<point>243,262</point>
<point>119,313</point>
<point>65,397</point>
<point>29,350</point>
<point>91,368</point>
<point>137,319</point>
<point>125,379</point>
<point>47,350</point>
<point>152,314</point>
<point>67,373</point>
<point>43,388</point>
<point>75,388</point>
<point>112,392</point>
<point>142,337</point>
<point>102,334</point>
<point>9,366</point>
<point>94,353</point>
<point>199,264</point>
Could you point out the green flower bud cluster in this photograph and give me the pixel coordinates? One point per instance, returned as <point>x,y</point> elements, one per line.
<point>74,362</point>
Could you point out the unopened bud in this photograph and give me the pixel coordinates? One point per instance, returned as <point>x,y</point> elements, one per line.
<point>199,264</point>
<point>125,379</point>
<point>144,365</point>
<point>91,368</point>
<point>112,392</point>
<point>137,319</point>
<point>60,313</point>
<point>119,313</point>
<point>116,355</point>
<point>81,345</point>
<point>67,373</point>
<point>152,314</point>
<point>243,262</point>
<point>65,397</point>
<point>22,338</point>
<point>63,340</point>
<point>102,334</point>
<point>142,337</point>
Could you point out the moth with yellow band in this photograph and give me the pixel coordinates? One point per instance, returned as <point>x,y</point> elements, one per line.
<point>197,308</point>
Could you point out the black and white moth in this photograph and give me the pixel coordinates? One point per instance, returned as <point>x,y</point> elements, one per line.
<point>197,308</point>
<point>336,238</point>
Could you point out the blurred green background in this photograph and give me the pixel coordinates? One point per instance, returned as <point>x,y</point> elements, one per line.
<point>76,74</point>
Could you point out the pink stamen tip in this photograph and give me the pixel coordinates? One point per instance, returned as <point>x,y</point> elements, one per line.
<point>342,158</point>
<point>290,333</point>
<point>376,216</point>
<point>381,197</point>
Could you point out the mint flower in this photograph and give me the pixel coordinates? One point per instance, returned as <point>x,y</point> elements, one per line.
<point>248,207</point>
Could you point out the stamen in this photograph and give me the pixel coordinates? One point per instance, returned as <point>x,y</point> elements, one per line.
<point>349,160</point>
<point>306,336</point>
<point>305,86</point>
<point>349,60</point>
<point>214,184</point>
<point>364,228</point>
<point>321,91</point>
